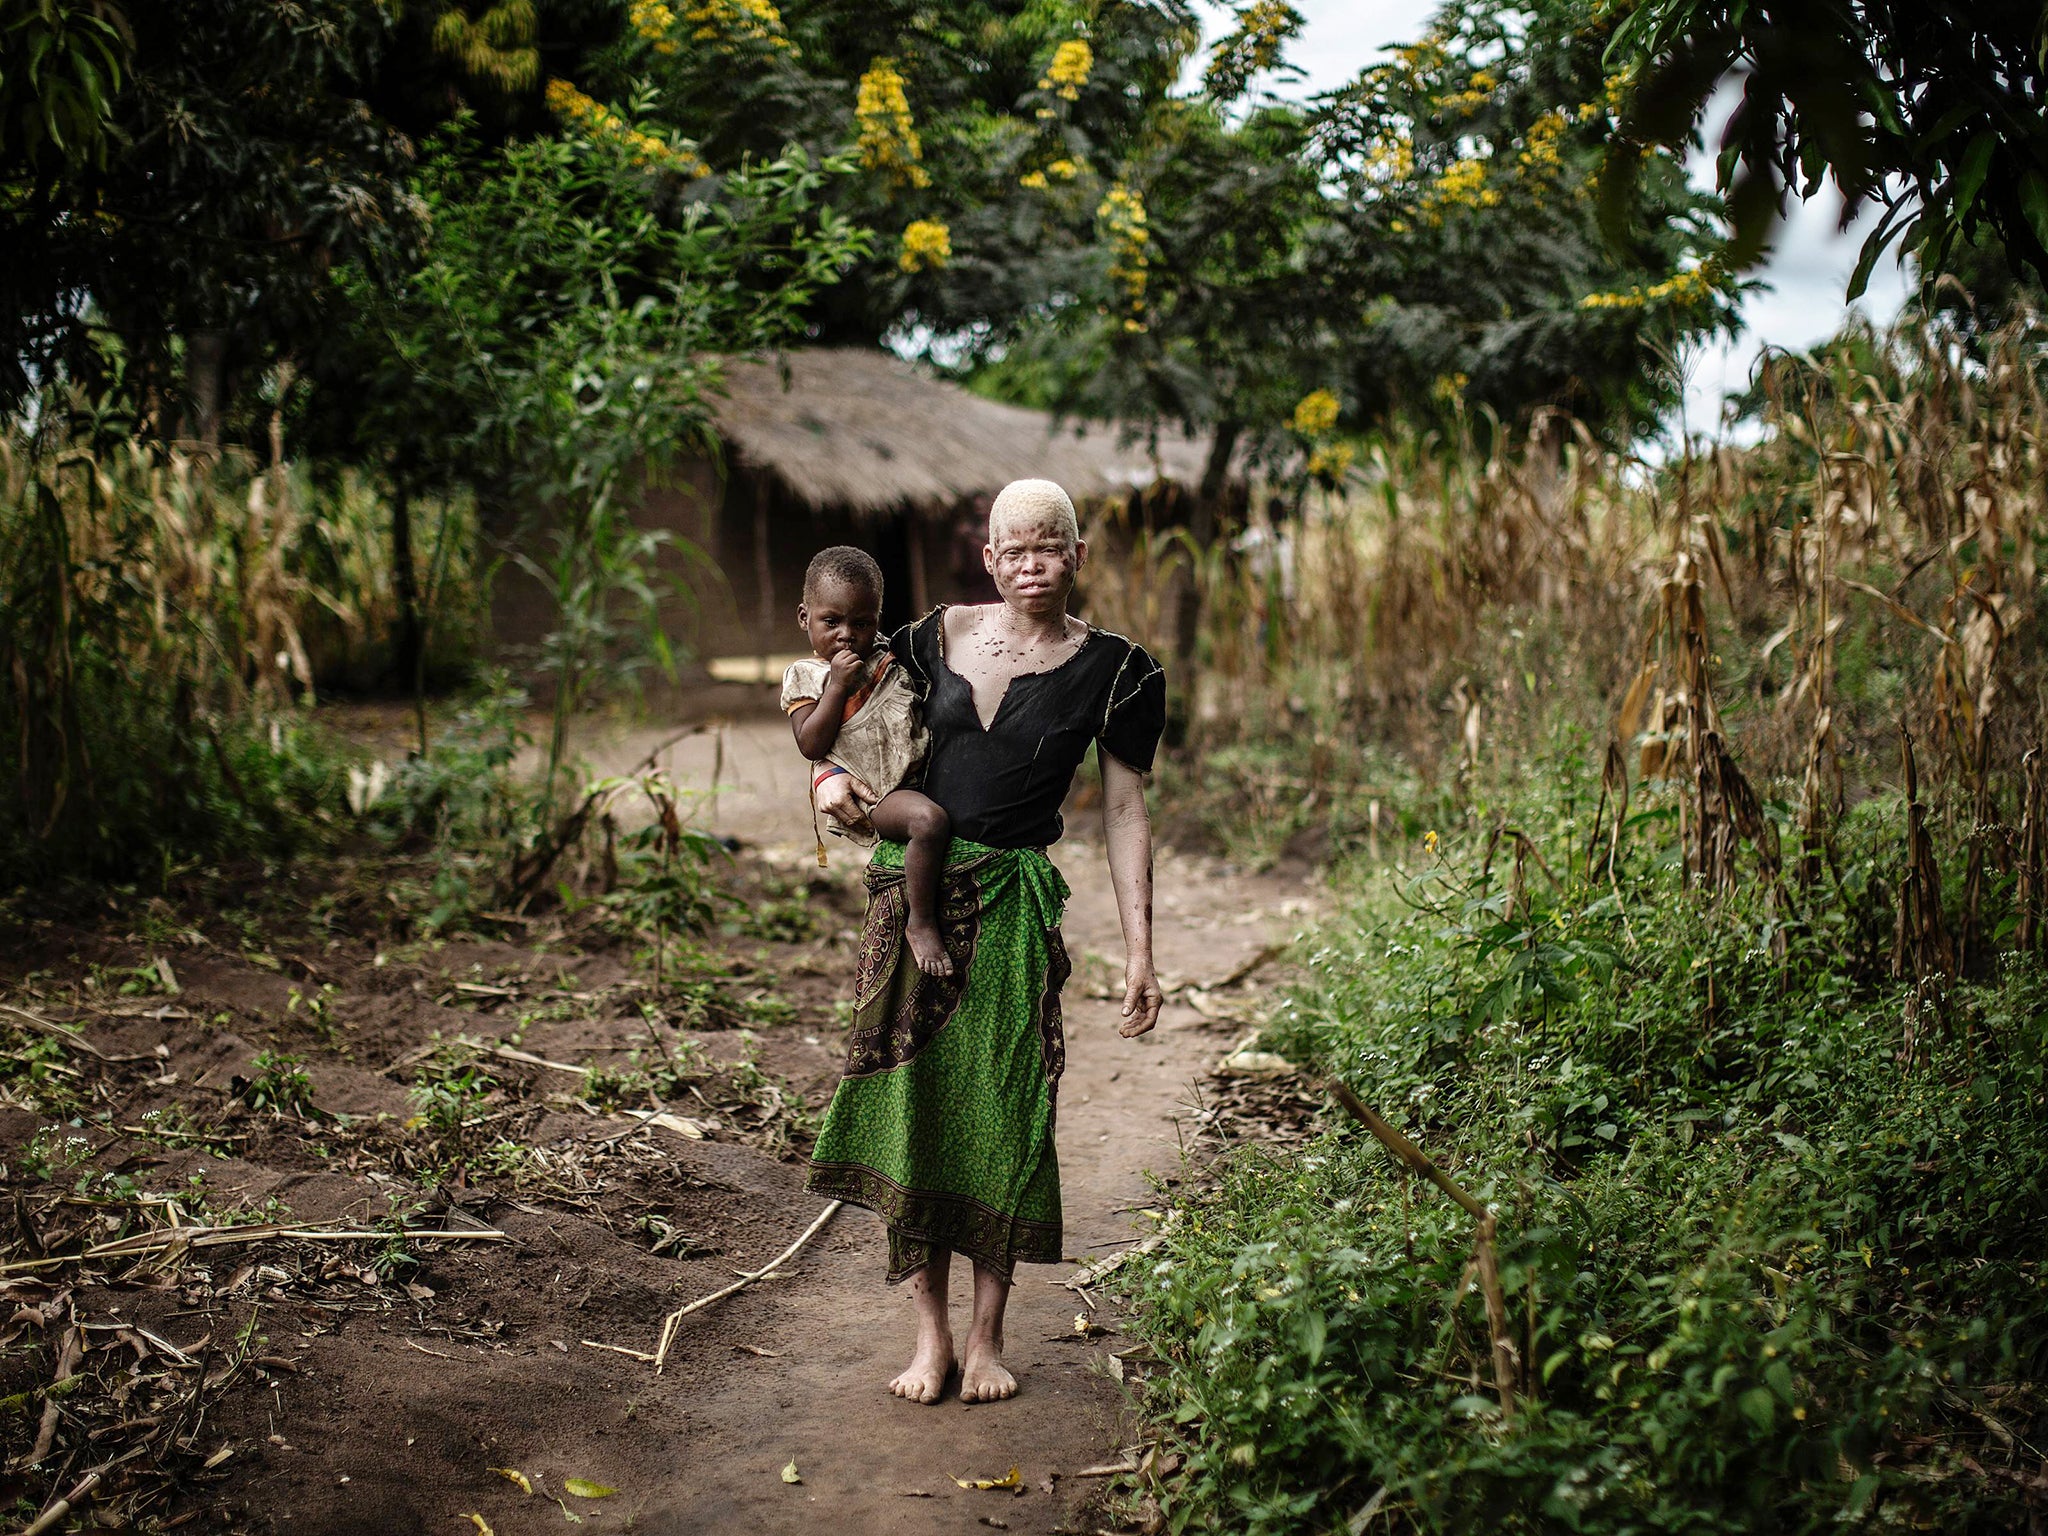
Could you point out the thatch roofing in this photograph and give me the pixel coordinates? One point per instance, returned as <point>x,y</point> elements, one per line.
<point>865,430</point>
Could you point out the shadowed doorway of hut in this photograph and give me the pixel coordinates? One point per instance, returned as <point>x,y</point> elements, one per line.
<point>766,538</point>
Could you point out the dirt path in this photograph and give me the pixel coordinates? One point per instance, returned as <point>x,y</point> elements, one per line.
<point>303,1386</point>
<point>839,1334</point>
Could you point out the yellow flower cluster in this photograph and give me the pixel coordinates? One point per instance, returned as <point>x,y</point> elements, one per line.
<point>1331,462</point>
<point>710,21</point>
<point>1071,64</point>
<point>1418,59</point>
<point>1462,185</point>
<point>656,24</point>
<point>602,125</point>
<point>1263,30</point>
<point>888,140</point>
<point>927,244</point>
<point>1123,219</point>
<point>1616,87</point>
<point>1542,152</point>
<point>1478,91</point>
<point>1390,160</point>
<point>1681,289</point>
<point>1315,413</point>
<point>1058,170</point>
<point>1449,388</point>
<point>738,21</point>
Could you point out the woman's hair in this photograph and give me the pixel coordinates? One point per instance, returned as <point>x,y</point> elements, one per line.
<point>1039,503</point>
<point>855,568</point>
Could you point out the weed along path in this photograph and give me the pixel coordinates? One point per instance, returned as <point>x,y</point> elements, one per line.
<point>795,1369</point>
<point>323,1224</point>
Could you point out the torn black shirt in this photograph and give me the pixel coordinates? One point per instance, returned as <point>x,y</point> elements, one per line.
<point>1003,786</point>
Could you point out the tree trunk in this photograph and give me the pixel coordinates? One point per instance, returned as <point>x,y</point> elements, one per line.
<point>1203,522</point>
<point>764,575</point>
<point>205,362</point>
<point>407,644</point>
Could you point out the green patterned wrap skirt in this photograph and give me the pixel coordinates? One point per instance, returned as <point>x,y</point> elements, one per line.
<point>943,1123</point>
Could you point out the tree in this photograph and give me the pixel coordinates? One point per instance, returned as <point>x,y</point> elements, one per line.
<point>558,337</point>
<point>986,134</point>
<point>1939,113</point>
<point>1466,223</point>
<point>178,179</point>
<point>1423,238</point>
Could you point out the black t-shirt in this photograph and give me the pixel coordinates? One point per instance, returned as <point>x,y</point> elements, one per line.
<point>1003,786</point>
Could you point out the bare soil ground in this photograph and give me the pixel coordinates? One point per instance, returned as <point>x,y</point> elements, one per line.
<point>298,1383</point>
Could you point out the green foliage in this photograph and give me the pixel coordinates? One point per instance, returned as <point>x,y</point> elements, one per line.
<point>556,345</point>
<point>278,1085</point>
<point>202,575</point>
<point>1766,1265</point>
<point>446,1102</point>
<point>1936,112</point>
<point>665,886</point>
<point>233,158</point>
<point>64,63</point>
<point>463,800</point>
<point>1467,226</point>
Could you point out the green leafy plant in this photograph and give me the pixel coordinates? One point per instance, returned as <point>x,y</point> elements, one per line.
<point>277,1084</point>
<point>1753,1254</point>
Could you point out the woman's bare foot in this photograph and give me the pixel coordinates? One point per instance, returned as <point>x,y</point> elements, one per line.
<point>924,1379</point>
<point>928,949</point>
<point>982,1376</point>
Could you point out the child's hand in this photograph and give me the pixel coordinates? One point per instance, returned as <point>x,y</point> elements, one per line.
<point>846,667</point>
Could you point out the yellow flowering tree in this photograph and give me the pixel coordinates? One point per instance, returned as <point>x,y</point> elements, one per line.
<point>1466,167</point>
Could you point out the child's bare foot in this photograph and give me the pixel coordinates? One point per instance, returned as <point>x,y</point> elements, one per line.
<point>928,949</point>
<point>924,1379</point>
<point>982,1377</point>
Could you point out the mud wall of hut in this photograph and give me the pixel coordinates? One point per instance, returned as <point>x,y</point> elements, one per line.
<point>733,566</point>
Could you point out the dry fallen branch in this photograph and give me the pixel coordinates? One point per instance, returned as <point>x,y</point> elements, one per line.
<point>1484,1267</point>
<point>1406,1150</point>
<point>70,1037</point>
<point>53,1517</point>
<point>235,1237</point>
<point>675,1319</point>
<point>1093,1274</point>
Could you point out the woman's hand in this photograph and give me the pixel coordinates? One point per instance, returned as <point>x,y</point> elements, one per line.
<point>1142,999</point>
<point>845,797</point>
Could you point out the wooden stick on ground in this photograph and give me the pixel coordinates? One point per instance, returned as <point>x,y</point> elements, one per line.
<point>43,1026</point>
<point>53,1517</point>
<point>1406,1150</point>
<point>223,1237</point>
<point>1484,1261</point>
<point>675,1319</point>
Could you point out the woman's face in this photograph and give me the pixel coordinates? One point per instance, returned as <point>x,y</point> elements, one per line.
<point>1033,564</point>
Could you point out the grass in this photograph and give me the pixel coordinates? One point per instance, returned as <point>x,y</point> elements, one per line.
<point>1770,1261</point>
<point>1691,865</point>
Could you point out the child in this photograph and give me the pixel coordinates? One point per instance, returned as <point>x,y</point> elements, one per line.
<point>853,710</point>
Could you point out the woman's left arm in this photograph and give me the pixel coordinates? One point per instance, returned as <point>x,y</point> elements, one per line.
<point>1127,833</point>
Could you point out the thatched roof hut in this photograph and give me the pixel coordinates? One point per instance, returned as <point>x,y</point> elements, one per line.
<point>859,429</point>
<point>847,445</point>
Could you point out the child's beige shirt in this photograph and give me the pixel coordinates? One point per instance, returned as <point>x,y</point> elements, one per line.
<point>881,738</point>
